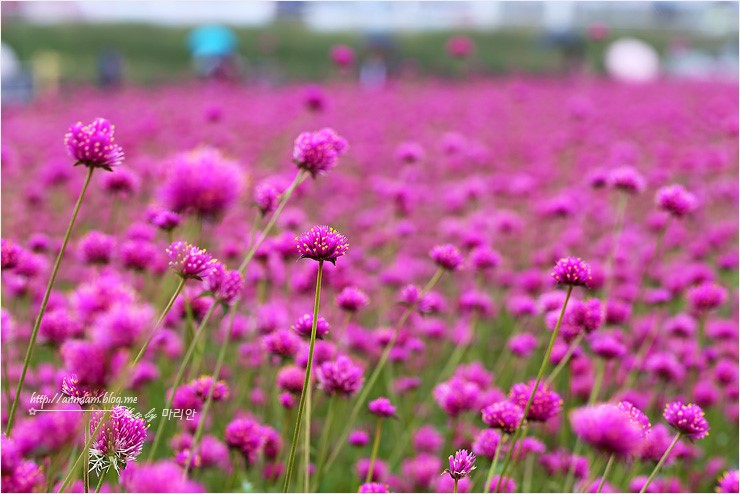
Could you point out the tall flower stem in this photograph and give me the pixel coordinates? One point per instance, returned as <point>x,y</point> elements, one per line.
<point>86,465</point>
<point>564,361</point>
<point>324,442</point>
<point>45,301</point>
<point>367,388</point>
<point>179,377</point>
<point>621,208</point>
<point>374,454</point>
<point>455,486</point>
<point>492,470</point>
<point>306,381</point>
<point>100,483</point>
<point>660,463</point>
<point>307,441</point>
<point>545,361</point>
<point>606,473</point>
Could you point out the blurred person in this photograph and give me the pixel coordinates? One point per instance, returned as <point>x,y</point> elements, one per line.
<point>213,48</point>
<point>110,68</point>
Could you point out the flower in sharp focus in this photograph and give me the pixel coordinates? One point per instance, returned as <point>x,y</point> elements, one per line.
<point>189,261</point>
<point>322,243</point>
<point>119,439</point>
<point>461,464</point>
<point>317,152</point>
<point>687,419</point>
<point>571,271</point>
<point>92,145</point>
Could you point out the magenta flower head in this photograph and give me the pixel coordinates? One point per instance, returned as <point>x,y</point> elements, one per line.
<point>728,482</point>
<point>382,407</point>
<point>352,299</point>
<point>266,197</point>
<point>546,403</point>
<point>189,261</point>
<point>10,254</point>
<point>246,436</point>
<point>81,393</point>
<point>461,465</point>
<point>223,284</point>
<point>706,297</point>
<point>322,243</point>
<point>92,145</point>
<point>675,200</point>
<point>341,377</point>
<point>118,441</point>
<point>317,152</point>
<point>97,247</point>
<point>636,416</point>
<point>165,220</point>
<point>687,419</point>
<point>627,179</point>
<point>375,487</point>
<point>344,56</point>
<point>607,428</point>
<point>446,257</point>
<point>304,324</point>
<point>503,415</point>
<point>571,271</point>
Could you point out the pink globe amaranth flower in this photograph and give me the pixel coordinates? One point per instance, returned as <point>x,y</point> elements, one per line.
<point>382,407</point>
<point>373,487</point>
<point>636,415</point>
<point>202,386</point>
<point>687,419</point>
<point>571,271</point>
<point>486,442</point>
<point>246,436</point>
<point>80,393</point>
<point>461,464</point>
<point>118,441</point>
<point>92,145</point>
<point>88,361</point>
<point>675,200</point>
<point>380,469</point>
<point>446,257</point>
<point>97,247</point>
<point>428,440</point>
<point>410,152</point>
<point>342,55</point>
<point>507,484</point>
<point>322,243</point>
<point>341,377</point>
<point>352,299</point>
<point>456,396</point>
<point>189,261</point>
<point>422,470</point>
<point>124,183</point>
<point>627,179</point>
<point>153,477</point>
<point>59,325</point>
<point>165,220</point>
<point>607,428</point>
<point>503,415</point>
<point>706,297</point>
<point>26,476</point>
<point>545,405</point>
<point>318,152</point>
<point>225,286</point>
<point>266,197</point>
<point>460,46</point>
<point>203,182</point>
<point>304,324</point>
<point>10,253</point>
<point>290,378</point>
<point>358,438</point>
<point>728,482</point>
<point>283,343</point>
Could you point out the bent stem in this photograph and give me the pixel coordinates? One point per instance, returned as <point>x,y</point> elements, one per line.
<point>660,463</point>
<point>489,477</point>
<point>44,302</point>
<point>374,455</point>
<point>306,382</point>
<point>367,387</point>
<point>545,360</point>
<point>606,472</point>
<point>179,377</point>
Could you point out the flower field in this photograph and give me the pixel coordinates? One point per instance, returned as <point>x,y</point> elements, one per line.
<point>488,285</point>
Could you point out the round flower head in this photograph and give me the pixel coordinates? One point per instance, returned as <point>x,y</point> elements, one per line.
<point>317,152</point>
<point>636,416</point>
<point>97,248</point>
<point>461,464</point>
<point>189,261</point>
<point>118,441</point>
<point>92,144</point>
<point>352,299</point>
<point>446,257</point>
<point>571,271</point>
<point>322,243</point>
<point>245,435</point>
<point>627,179</point>
<point>382,407</point>
<point>304,324</point>
<point>341,377</point>
<point>675,200</point>
<point>728,482</point>
<point>507,484</point>
<point>503,415</point>
<point>80,393</point>
<point>10,253</point>
<point>607,428</point>
<point>224,285</point>
<point>373,487</point>
<point>165,220</point>
<point>486,442</point>
<point>344,56</point>
<point>266,198</point>
<point>687,419</point>
<point>358,438</point>
<point>706,297</point>
<point>546,403</point>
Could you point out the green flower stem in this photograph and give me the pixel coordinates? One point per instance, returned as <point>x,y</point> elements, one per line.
<point>621,209</point>
<point>564,361</point>
<point>86,464</point>
<point>374,455</point>
<point>44,302</point>
<point>367,388</point>
<point>492,470</point>
<point>307,440</point>
<point>545,361</point>
<point>606,472</point>
<point>306,382</point>
<point>179,377</point>
<point>528,470</point>
<point>324,442</point>
<point>660,463</point>
<point>100,483</point>
<point>455,487</point>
